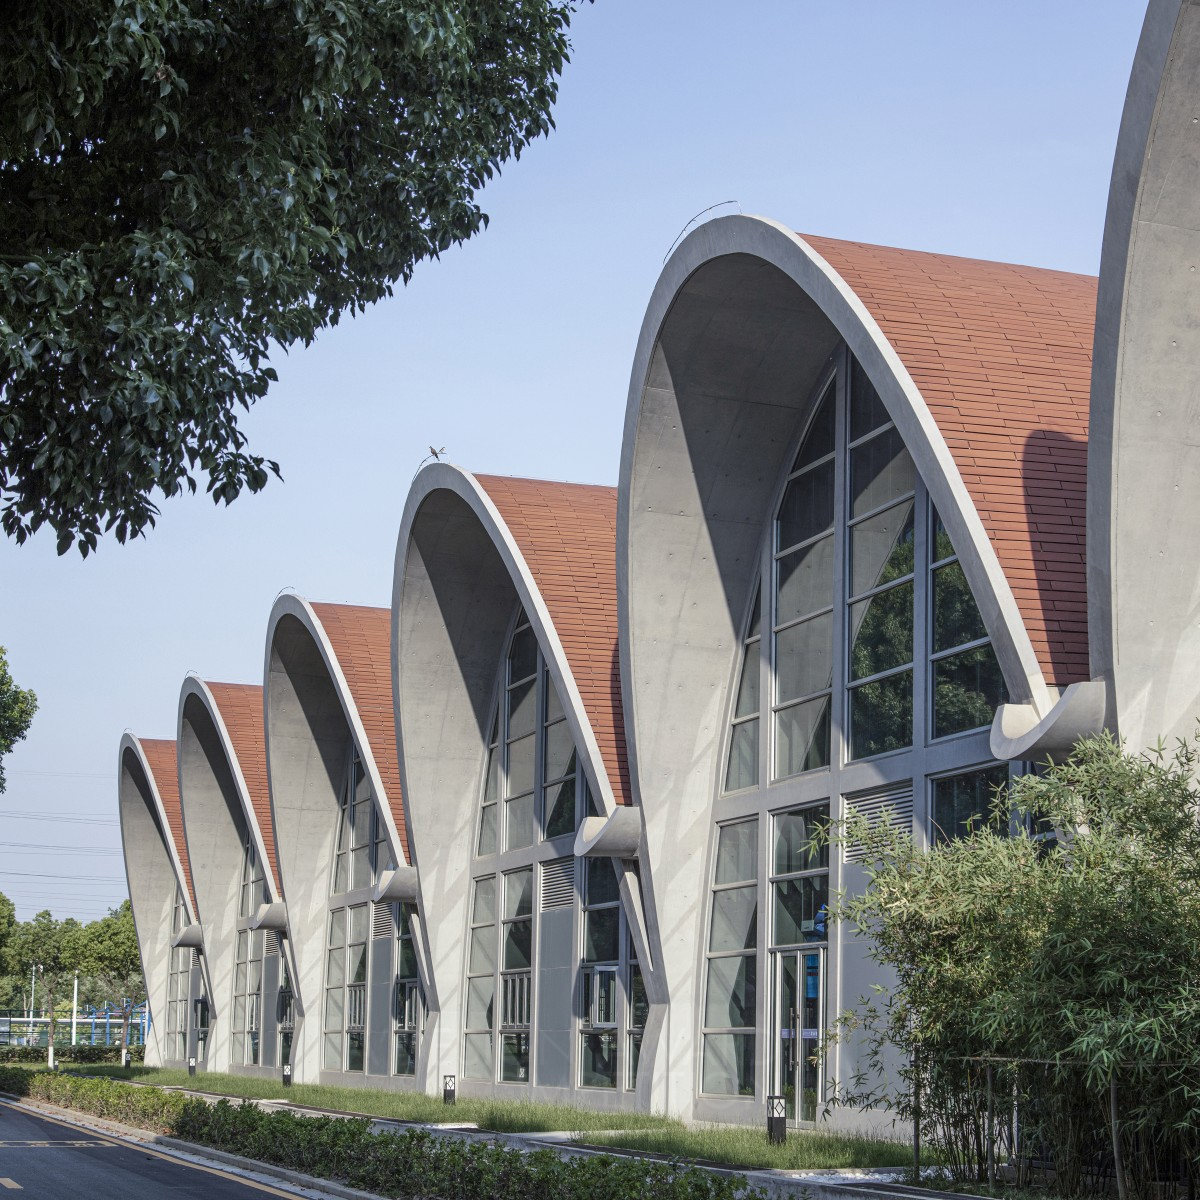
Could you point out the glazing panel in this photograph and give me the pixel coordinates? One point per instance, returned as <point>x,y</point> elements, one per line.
<point>742,770</point>
<point>807,507</point>
<point>335,967</point>
<point>477,1056</point>
<point>355,1046</point>
<point>880,470</point>
<point>818,441</point>
<point>560,751</point>
<point>602,886</point>
<point>729,1064</point>
<point>602,935</point>
<point>520,765</point>
<point>737,852</point>
<point>942,546</point>
<point>331,1057</point>
<point>606,998</point>
<point>756,615</point>
<point>406,959</point>
<point>522,708</point>
<point>341,873</point>
<point>882,629</point>
<point>237,1047</point>
<point>598,1060</point>
<point>483,950</point>
<point>518,893</point>
<point>802,737</point>
<point>335,1007</point>
<point>514,1058</point>
<point>239,1012</point>
<point>866,409</point>
<point>882,548</point>
<point>519,823</point>
<point>491,788</point>
<point>747,696</point>
<point>483,911</point>
<point>362,822</point>
<point>801,910</point>
<point>967,690</point>
<point>881,716</point>
<point>406,1054</point>
<point>956,616</point>
<point>518,946</point>
<point>639,1003</point>
<point>480,999</point>
<point>797,844</point>
<point>255,985</point>
<point>487,829</point>
<point>730,995</point>
<point>358,923</point>
<point>734,920</point>
<point>522,655</point>
<point>239,978</point>
<point>242,945</point>
<point>804,658</point>
<point>560,808</point>
<point>554,708</point>
<point>358,964</point>
<point>963,802</point>
<point>805,581</point>
<point>360,861</point>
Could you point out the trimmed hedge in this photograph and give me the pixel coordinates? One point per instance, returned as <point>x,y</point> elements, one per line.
<point>69,1054</point>
<point>407,1165</point>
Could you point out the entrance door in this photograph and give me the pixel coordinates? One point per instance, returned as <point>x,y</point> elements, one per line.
<point>799,992</point>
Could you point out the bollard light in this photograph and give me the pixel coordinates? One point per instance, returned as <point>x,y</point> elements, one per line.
<point>287,1074</point>
<point>126,1058</point>
<point>192,1066</point>
<point>776,1120</point>
<point>447,1089</point>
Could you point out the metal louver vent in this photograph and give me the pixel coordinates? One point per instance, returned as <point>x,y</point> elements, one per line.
<point>558,882</point>
<point>271,945</point>
<point>383,922</point>
<point>195,958</point>
<point>893,804</point>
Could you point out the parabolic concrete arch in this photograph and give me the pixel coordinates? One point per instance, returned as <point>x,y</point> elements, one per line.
<point>470,550</point>
<point>328,673</point>
<point>1144,455</point>
<point>742,323</point>
<point>223,785</point>
<point>156,869</point>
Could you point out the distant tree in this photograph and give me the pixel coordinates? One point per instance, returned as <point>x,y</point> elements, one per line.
<point>184,185</point>
<point>49,950</point>
<point>17,707</point>
<point>110,957</point>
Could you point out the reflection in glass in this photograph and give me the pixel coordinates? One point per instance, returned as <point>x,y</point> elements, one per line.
<point>518,894</point>
<point>881,715</point>
<point>866,409</point>
<point>601,939</point>
<point>804,658</point>
<point>742,771</point>
<point>880,470</point>
<point>729,1064</point>
<point>801,909</point>
<point>956,616</point>
<point>487,830</point>
<point>802,737</point>
<point>734,920</point>
<point>560,751</point>
<point>519,822</point>
<point>602,885</point>
<point>477,1060</point>
<point>514,1058</point>
<point>522,657</point>
<point>518,945</point>
<point>882,632</point>
<point>963,802</point>
<point>730,996</point>
<point>560,803</point>
<point>807,507</point>
<point>805,581</point>
<point>737,852</point>
<point>967,690</point>
<point>798,846</point>
<point>599,1060</point>
<point>520,765</point>
<point>882,548</point>
<point>818,441</point>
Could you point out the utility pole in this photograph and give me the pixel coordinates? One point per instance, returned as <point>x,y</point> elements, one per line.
<point>74,1008</point>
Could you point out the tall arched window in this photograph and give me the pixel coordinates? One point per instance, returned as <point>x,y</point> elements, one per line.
<point>246,1021</point>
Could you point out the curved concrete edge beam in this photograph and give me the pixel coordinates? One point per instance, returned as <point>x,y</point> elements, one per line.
<point>460,482</point>
<point>1142,103</point>
<point>293,605</point>
<point>193,685</point>
<point>617,836</point>
<point>270,916</point>
<point>1018,732</point>
<point>763,238</point>
<point>400,884</point>
<point>191,936</point>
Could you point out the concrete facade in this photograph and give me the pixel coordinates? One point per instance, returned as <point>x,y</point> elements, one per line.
<point>886,531</point>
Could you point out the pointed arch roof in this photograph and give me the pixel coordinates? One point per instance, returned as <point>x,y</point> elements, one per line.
<point>161,758</point>
<point>240,708</point>
<point>567,533</point>
<point>1002,355</point>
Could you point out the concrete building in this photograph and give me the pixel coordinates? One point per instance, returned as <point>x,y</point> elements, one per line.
<point>890,526</point>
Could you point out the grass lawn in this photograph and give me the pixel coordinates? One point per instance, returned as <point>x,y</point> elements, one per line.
<point>499,1116</point>
<point>748,1147</point>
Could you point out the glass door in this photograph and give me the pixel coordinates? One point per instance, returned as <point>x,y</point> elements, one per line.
<point>799,1007</point>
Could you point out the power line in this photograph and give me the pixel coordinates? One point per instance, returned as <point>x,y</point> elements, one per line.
<point>58,849</point>
<point>24,816</point>
<point>77,878</point>
<point>65,774</point>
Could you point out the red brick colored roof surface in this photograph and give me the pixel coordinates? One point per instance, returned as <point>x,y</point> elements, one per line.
<point>362,642</point>
<point>567,533</point>
<point>1003,356</point>
<point>241,708</point>
<point>163,762</point>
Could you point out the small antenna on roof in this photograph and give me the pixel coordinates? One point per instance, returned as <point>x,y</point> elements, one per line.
<point>719,204</point>
<point>435,455</point>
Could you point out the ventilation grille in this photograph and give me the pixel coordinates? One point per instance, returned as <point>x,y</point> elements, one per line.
<point>383,920</point>
<point>271,945</point>
<point>893,804</point>
<point>558,882</point>
<point>195,958</point>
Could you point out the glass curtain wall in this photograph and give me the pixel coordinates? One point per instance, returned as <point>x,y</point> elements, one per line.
<point>246,1011</point>
<point>179,983</point>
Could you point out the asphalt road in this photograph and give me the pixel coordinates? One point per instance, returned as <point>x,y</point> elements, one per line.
<point>46,1159</point>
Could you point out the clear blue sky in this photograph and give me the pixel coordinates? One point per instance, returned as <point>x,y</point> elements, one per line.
<point>983,130</point>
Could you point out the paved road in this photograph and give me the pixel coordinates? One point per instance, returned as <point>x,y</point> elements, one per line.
<point>45,1159</point>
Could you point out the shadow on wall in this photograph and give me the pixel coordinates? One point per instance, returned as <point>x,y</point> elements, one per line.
<point>1054,479</point>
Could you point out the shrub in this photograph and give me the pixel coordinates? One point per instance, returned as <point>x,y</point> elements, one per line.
<point>69,1054</point>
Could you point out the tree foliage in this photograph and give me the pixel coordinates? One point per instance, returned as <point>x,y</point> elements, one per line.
<point>17,706</point>
<point>1066,953</point>
<point>183,184</point>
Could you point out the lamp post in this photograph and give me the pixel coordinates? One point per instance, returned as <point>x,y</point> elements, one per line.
<point>287,1074</point>
<point>777,1120</point>
<point>448,1089</point>
<point>192,1065</point>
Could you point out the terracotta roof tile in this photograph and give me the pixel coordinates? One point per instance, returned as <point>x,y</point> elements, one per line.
<point>1003,356</point>
<point>362,642</point>
<point>241,708</point>
<point>161,757</point>
<point>568,535</point>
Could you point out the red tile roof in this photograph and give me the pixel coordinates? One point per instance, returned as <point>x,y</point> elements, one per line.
<point>164,767</point>
<point>568,535</point>
<point>241,708</point>
<point>1003,356</point>
<point>362,642</point>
